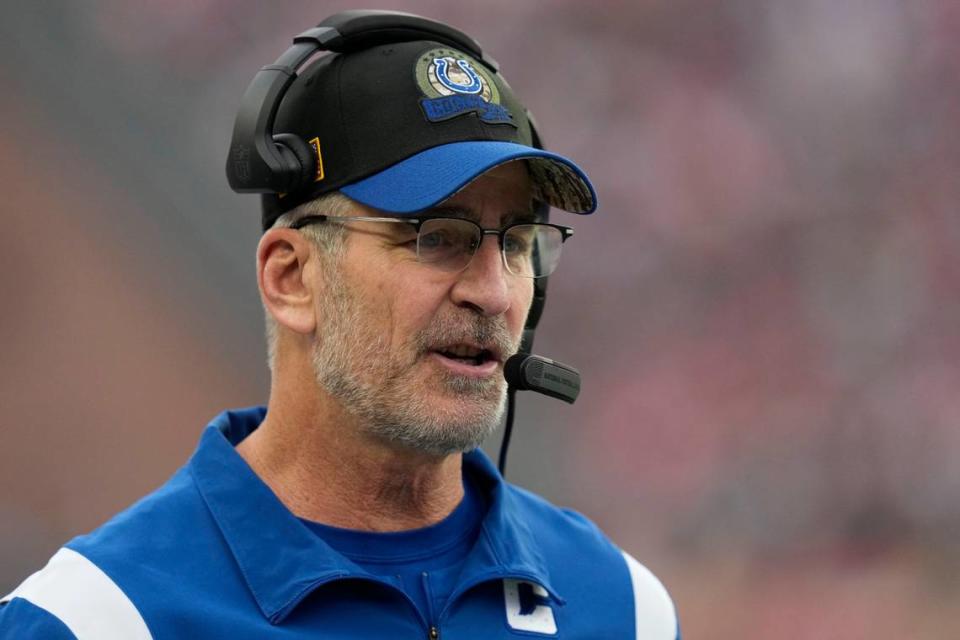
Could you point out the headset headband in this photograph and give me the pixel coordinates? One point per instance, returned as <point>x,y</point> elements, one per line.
<point>255,164</point>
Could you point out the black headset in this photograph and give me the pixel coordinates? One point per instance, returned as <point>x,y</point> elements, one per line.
<point>261,161</point>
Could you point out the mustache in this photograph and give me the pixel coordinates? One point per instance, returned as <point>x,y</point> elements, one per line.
<point>489,333</point>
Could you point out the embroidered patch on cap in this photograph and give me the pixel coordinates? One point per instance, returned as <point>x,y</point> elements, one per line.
<point>455,84</point>
<point>528,607</point>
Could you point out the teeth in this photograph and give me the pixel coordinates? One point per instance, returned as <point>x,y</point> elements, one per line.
<point>463,351</point>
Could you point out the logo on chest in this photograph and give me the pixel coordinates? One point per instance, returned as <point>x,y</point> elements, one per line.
<point>528,607</point>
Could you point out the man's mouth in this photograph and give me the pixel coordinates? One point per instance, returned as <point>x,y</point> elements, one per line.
<point>467,354</point>
<point>466,347</point>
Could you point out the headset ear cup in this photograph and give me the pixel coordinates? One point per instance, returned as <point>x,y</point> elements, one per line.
<point>298,159</point>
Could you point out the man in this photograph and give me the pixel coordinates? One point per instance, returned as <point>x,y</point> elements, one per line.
<point>397,274</point>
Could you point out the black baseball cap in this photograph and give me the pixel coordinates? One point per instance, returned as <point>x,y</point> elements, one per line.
<point>401,127</point>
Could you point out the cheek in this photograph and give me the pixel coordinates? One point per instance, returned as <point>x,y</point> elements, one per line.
<point>407,302</point>
<point>371,293</point>
<point>522,299</point>
<point>382,311</point>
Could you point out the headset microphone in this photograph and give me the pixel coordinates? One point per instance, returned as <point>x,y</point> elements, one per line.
<point>525,371</point>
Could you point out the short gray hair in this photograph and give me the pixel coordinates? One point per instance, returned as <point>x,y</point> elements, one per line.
<point>327,238</point>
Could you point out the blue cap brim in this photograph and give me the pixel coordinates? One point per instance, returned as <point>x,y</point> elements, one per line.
<point>430,177</point>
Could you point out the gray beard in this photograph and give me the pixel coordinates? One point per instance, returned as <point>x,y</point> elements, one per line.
<point>352,363</point>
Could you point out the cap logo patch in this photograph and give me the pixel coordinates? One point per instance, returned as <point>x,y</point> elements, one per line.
<point>443,77</point>
<point>454,85</point>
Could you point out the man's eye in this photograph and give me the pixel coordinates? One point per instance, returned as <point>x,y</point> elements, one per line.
<point>515,243</point>
<point>435,239</point>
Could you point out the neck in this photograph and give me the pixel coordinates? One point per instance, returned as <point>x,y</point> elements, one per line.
<point>321,466</point>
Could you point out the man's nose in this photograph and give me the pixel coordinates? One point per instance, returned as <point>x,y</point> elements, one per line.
<point>484,285</point>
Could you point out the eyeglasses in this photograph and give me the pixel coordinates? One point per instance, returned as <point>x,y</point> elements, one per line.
<point>529,249</point>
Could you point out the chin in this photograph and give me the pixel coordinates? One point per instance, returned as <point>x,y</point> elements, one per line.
<point>455,423</point>
<point>440,437</point>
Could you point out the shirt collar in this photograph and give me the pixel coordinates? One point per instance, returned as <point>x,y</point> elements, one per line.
<point>507,548</point>
<point>285,561</point>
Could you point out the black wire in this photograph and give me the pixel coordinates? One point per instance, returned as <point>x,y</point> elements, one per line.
<point>507,430</point>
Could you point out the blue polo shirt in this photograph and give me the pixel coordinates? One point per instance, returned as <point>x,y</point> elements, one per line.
<point>424,563</point>
<point>214,554</point>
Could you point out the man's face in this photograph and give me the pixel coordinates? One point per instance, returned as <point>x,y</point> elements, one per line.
<point>396,337</point>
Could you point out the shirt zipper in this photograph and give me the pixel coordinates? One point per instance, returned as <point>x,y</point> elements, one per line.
<point>434,632</point>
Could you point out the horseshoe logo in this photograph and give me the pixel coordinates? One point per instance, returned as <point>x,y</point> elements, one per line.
<point>475,85</point>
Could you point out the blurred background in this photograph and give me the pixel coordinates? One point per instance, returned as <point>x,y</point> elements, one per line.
<point>764,310</point>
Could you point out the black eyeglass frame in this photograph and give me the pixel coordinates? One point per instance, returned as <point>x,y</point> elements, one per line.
<point>565,232</point>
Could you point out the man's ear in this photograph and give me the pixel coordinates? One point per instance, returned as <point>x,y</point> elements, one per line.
<point>287,280</point>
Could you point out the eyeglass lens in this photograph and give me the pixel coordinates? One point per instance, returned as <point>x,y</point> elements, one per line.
<point>528,250</point>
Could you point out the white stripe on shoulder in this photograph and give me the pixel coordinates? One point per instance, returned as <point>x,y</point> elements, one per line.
<point>656,617</point>
<point>84,598</point>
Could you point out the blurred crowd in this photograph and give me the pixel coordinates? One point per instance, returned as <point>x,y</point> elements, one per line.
<point>764,309</point>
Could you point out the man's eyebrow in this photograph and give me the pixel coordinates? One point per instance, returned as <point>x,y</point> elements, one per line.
<point>449,211</point>
<point>523,216</point>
